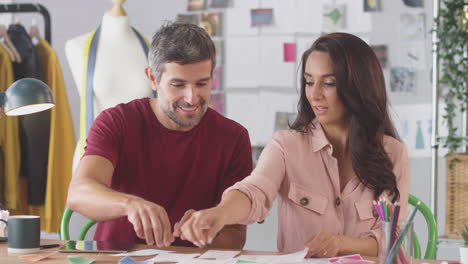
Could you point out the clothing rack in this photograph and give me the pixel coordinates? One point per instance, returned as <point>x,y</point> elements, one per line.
<point>30,8</point>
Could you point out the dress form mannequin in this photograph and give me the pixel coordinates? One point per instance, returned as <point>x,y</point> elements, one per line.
<point>120,62</point>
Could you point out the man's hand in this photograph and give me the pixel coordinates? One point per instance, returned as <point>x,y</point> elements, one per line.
<point>150,222</point>
<point>178,225</point>
<point>202,226</point>
<point>324,245</point>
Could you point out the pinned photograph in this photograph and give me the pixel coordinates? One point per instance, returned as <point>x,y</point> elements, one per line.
<point>333,17</point>
<point>413,55</point>
<point>219,3</point>
<point>412,26</point>
<point>289,52</point>
<point>283,119</point>
<point>194,5</point>
<point>188,18</point>
<point>403,80</point>
<point>414,3</point>
<point>219,51</point>
<point>381,53</point>
<point>211,22</point>
<point>216,79</point>
<point>261,17</point>
<point>372,5</point>
<point>217,102</point>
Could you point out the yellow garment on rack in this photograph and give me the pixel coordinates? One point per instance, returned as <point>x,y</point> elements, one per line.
<point>62,142</point>
<point>9,139</point>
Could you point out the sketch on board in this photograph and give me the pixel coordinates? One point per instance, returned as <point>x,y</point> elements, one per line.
<point>403,80</point>
<point>211,22</point>
<point>381,53</point>
<point>193,5</point>
<point>219,51</point>
<point>217,102</point>
<point>414,3</point>
<point>412,26</point>
<point>261,17</point>
<point>289,52</point>
<point>219,3</point>
<point>333,17</point>
<point>283,119</point>
<point>372,5</point>
<point>188,18</point>
<point>216,79</point>
<point>413,55</point>
<point>414,125</point>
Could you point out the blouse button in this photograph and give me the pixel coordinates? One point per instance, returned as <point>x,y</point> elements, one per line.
<point>304,201</point>
<point>337,201</point>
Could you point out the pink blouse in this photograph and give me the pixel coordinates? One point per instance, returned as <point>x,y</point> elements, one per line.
<point>300,168</point>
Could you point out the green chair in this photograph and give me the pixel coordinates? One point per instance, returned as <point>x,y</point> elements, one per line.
<point>64,226</point>
<point>431,247</point>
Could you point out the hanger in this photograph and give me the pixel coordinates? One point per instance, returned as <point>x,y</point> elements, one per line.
<point>10,54</point>
<point>118,10</point>
<point>34,32</point>
<point>9,45</point>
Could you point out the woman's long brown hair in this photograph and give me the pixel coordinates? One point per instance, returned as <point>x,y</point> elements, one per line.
<point>361,88</point>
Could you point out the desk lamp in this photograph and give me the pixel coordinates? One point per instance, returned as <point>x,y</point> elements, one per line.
<point>26,96</point>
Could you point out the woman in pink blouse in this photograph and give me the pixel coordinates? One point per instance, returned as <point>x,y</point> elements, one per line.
<point>341,153</point>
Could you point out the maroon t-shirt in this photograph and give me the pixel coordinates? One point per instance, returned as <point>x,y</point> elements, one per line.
<point>177,170</point>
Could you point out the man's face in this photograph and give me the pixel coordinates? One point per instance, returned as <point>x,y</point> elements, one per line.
<point>183,94</point>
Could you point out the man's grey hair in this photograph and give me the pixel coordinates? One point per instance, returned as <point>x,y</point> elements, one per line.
<point>181,43</point>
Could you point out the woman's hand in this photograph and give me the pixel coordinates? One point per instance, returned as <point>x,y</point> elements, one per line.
<point>324,245</point>
<point>202,226</point>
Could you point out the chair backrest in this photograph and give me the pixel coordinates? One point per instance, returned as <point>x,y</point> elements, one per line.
<point>431,247</point>
<point>65,229</point>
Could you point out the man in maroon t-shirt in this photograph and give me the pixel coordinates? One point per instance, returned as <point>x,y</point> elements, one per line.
<point>148,164</point>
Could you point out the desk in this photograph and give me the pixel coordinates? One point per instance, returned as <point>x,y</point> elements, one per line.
<point>107,258</point>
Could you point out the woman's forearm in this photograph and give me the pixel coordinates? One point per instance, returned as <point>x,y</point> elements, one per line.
<point>236,207</point>
<point>366,246</point>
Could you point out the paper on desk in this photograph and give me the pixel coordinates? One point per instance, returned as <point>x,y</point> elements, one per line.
<point>3,215</point>
<point>79,260</point>
<point>143,252</point>
<point>219,254</point>
<point>350,259</point>
<point>210,261</point>
<point>129,260</point>
<point>37,257</point>
<point>174,257</point>
<point>288,258</point>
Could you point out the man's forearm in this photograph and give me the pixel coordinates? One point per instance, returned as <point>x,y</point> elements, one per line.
<point>96,201</point>
<point>230,237</point>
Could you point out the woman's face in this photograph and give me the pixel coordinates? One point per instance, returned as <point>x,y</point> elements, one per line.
<point>321,90</point>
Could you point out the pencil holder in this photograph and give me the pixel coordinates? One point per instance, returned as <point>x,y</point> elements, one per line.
<point>396,247</point>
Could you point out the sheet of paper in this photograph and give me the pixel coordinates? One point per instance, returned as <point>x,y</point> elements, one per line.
<point>37,257</point>
<point>288,258</point>
<point>273,71</point>
<point>79,260</point>
<point>209,261</point>
<point>129,260</point>
<point>143,252</point>
<point>289,52</point>
<point>237,18</point>
<point>174,257</point>
<point>219,254</point>
<point>243,68</point>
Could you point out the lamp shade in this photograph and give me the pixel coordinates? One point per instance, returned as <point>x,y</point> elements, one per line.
<point>27,96</point>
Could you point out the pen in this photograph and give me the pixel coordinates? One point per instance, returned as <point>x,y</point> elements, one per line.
<point>49,246</point>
